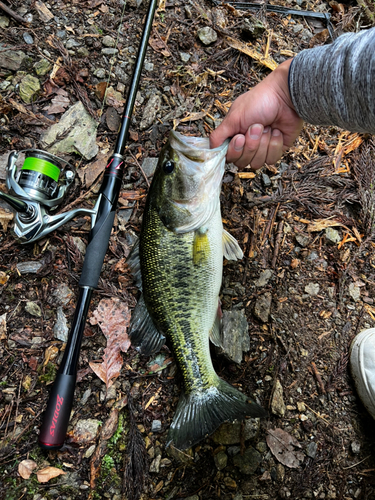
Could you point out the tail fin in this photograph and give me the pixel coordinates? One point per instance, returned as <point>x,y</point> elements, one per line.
<point>199,414</point>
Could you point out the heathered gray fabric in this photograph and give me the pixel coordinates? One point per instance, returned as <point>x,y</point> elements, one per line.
<point>335,84</point>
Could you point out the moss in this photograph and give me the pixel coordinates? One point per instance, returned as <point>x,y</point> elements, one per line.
<point>49,373</point>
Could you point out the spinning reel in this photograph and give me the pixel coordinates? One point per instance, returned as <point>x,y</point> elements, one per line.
<point>39,185</point>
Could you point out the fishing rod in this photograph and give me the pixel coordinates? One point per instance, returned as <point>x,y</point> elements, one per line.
<point>40,186</point>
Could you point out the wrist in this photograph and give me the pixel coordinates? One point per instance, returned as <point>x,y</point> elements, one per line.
<point>281,82</point>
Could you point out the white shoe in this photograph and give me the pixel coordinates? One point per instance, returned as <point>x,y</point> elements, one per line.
<point>362,364</point>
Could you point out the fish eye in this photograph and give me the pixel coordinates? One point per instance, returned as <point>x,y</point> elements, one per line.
<point>168,166</point>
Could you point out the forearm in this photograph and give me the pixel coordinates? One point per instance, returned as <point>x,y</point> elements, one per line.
<point>335,84</point>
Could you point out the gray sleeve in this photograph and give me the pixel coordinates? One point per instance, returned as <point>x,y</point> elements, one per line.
<point>335,84</point>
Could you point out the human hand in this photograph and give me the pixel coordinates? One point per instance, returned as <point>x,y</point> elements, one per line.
<point>262,122</point>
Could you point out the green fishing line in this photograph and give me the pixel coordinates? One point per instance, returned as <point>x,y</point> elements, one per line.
<point>42,166</point>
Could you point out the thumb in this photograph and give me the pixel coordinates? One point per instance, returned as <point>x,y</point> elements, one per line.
<point>218,136</point>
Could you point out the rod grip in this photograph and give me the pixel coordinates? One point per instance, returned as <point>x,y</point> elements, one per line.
<point>56,417</point>
<point>95,252</point>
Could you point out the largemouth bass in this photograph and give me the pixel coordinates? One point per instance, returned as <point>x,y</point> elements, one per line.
<point>179,264</point>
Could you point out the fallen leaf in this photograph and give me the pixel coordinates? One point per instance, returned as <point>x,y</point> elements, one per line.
<point>321,224</point>
<point>3,278</point>
<point>100,89</point>
<point>159,46</point>
<point>5,218</point>
<point>113,317</point>
<point>44,475</point>
<point>3,326</point>
<point>285,448</point>
<point>58,105</point>
<point>51,352</point>
<point>26,467</point>
<point>91,172</point>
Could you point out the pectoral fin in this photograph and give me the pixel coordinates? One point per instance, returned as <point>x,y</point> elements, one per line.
<point>201,248</point>
<point>231,248</point>
<point>142,332</point>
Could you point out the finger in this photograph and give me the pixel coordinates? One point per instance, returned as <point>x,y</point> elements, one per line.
<point>223,131</point>
<point>275,147</point>
<point>259,159</point>
<point>235,148</point>
<point>253,139</point>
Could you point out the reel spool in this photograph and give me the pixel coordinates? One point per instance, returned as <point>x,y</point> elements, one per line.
<point>39,176</point>
<point>42,177</point>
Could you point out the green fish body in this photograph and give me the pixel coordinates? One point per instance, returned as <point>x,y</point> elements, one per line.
<point>179,263</point>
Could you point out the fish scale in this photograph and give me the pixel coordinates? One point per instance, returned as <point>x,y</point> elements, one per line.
<point>178,293</point>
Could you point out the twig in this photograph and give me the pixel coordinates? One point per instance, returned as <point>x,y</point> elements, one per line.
<point>278,238</point>
<point>80,198</point>
<point>140,168</point>
<point>355,465</point>
<point>13,14</point>
<point>318,377</point>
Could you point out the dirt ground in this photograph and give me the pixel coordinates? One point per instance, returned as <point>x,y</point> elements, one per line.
<point>305,285</point>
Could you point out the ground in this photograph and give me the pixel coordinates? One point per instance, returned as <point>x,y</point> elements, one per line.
<point>305,284</point>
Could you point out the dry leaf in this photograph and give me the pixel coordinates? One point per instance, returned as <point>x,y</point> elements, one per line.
<point>253,53</point>
<point>5,218</point>
<point>321,224</point>
<point>48,473</point>
<point>91,172</point>
<point>285,448</point>
<point>3,278</point>
<point>26,467</point>
<point>51,352</point>
<point>3,326</point>
<point>113,317</point>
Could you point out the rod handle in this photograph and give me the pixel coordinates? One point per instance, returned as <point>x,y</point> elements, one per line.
<point>56,417</point>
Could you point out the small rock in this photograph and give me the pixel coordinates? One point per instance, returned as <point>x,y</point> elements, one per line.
<point>356,447</point>
<point>121,75</point>
<point>302,239</point>
<point>31,267</point>
<point>264,277</point>
<point>71,43</point>
<point>29,87</point>
<point>149,66</point>
<point>11,59</point>
<point>109,51</point>
<point>28,38</point>
<point>82,52</point>
<point>280,473</point>
<point>262,307</point>
<point>33,309</point>
<point>90,451</point>
<point>62,294</point>
<point>230,483</point>
<point>61,34</point>
<point>123,217</point>
<point>77,130</point>
<point>85,431</point>
<point>184,57</point>
<point>277,400</point>
<point>266,180</point>
<point>85,396</point>
<point>312,289</point>
<point>99,73</point>
<point>234,335</point>
<point>193,497</point>
<point>354,292</point>
<point>80,244</point>
<point>301,406</point>
<point>4,22</point>
<point>207,35</point>
<point>149,114</point>
<point>149,166</point>
<point>221,460</point>
<point>248,462</point>
<point>155,464</point>
<point>111,393</point>
<point>332,236</point>
<point>311,449</point>
<point>5,84</point>
<point>230,432</point>
<point>233,450</point>
<point>156,426</point>
<point>220,17</point>
<point>42,67</point>
<point>108,41</point>
<point>60,330</point>
<point>252,28</point>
